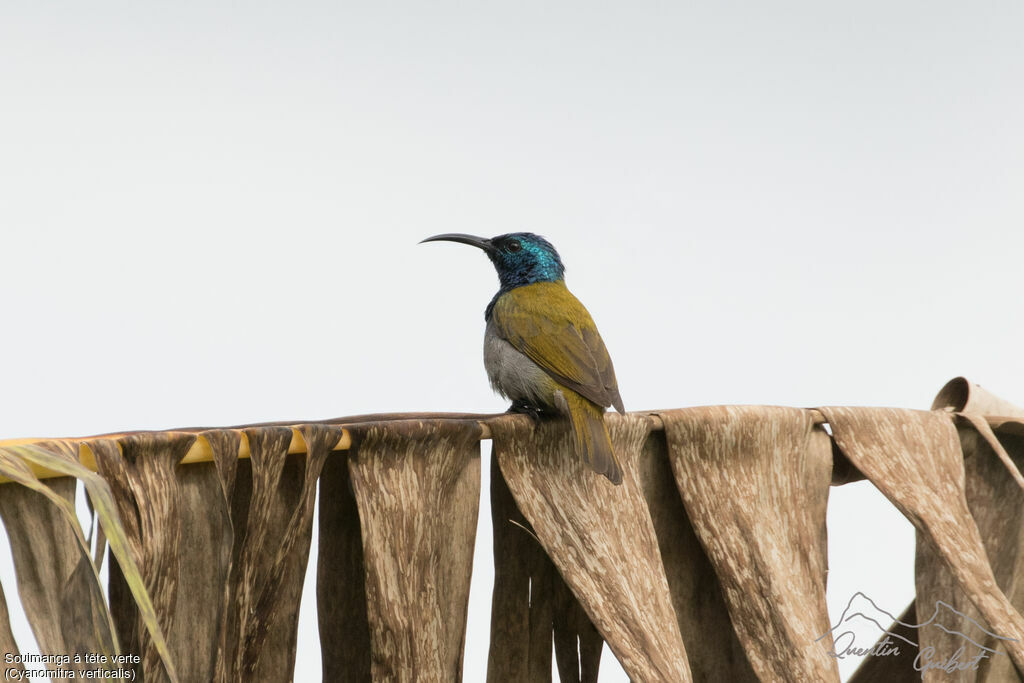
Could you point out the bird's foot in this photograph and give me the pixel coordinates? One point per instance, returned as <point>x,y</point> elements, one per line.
<point>526,409</point>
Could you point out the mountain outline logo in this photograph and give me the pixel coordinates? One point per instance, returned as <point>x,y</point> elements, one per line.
<point>940,607</point>
<point>862,609</point>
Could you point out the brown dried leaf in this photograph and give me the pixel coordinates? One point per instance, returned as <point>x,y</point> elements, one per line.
<point>141,470</point>
<point>57,581</point>
<point>417,486</point>
<point>64,604</point>
<point>522,613</point>
<point>714,651</point>
<point>914,459</point>
<point>755,482</point>
<point>600,537</point>
<point>262,622</point>
<point>341,579</point>
<point>8,646</point>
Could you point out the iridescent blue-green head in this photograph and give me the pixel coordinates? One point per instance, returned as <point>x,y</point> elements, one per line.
<point>521,258</point>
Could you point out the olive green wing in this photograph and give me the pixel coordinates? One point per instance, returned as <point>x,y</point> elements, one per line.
<point>552,328</point>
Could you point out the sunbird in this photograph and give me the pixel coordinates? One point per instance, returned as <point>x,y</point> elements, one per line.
<point>542,349</point>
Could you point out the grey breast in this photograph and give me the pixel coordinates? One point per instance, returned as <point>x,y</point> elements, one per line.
<point>512,374</point>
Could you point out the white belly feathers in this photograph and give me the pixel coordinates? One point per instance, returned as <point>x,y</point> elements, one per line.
<point>513,374</point>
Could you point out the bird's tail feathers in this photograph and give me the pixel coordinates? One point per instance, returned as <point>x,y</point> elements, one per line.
<point>591,436</point>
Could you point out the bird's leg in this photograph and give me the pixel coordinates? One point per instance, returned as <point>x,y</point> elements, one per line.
<point>526,409</point>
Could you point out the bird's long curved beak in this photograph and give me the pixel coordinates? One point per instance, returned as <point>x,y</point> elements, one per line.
<point>473,240</point>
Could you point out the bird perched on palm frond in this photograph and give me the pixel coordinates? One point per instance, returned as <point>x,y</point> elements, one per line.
<point>542,349</point>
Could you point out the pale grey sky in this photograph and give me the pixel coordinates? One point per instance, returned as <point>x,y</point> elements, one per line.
<point>788,203</point>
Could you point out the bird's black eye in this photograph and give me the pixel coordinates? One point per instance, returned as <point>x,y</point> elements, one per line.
<point>514,245</point>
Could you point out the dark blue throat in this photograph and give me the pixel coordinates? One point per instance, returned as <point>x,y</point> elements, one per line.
<point>534,261</point>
